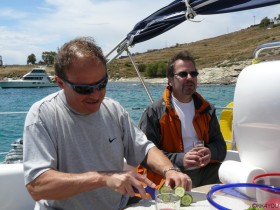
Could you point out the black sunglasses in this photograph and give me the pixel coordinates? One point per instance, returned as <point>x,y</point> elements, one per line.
<point>86,89</point>
<point>184,74</point>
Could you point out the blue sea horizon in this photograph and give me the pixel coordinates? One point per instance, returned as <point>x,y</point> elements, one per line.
<point>131,95</point>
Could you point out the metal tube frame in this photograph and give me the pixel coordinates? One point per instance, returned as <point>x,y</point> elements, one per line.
<point>122,46</point>
<point>262,47</point>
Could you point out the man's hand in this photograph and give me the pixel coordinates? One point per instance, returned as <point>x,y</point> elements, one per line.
<point>197,157</point>
<point>175,178</point>
<point>124,182</point>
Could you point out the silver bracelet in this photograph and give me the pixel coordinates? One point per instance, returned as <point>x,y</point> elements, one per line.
<point>169,169</point>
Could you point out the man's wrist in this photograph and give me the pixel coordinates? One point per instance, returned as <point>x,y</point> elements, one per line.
<point>170,169</point>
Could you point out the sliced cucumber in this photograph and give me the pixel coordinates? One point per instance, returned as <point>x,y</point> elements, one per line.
<point>166,197</point>
<point>180,191</point>
<point>165,189</point>
<point>186,200</point>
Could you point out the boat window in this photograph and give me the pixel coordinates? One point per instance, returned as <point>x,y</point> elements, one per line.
<point>38,71</point>
<point>32,78</point>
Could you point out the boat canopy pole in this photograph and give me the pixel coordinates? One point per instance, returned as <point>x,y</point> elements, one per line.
<point>123,46</point>
<point>117,46</point>
<point>117,55</point>
<point>139,75</point>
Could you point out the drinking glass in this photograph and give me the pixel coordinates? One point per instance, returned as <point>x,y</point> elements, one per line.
<point>198,143</point>
<point>168,201</point>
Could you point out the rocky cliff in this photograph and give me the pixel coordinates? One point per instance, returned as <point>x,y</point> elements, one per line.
<point>226,74</point>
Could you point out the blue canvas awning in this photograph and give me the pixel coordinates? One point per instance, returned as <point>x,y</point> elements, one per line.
<point>180,10</point>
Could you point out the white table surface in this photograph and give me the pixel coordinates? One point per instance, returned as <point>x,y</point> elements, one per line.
<point>202,203</point>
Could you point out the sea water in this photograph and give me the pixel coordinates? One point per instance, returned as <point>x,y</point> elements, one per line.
<point>16,102</point>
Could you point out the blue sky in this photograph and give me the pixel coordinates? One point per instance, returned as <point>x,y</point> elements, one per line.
<point>35,26</point>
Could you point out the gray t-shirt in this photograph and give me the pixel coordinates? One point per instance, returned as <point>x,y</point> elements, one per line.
<point>56,137</point>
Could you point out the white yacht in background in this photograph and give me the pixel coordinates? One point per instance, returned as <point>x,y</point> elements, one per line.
<point>37,77</point>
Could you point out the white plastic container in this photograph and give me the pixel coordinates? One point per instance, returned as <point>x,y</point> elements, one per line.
<point>256,115</point>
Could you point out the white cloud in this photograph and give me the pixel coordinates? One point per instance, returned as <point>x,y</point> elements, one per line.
<point>51,23</point>
<point>11,13</point>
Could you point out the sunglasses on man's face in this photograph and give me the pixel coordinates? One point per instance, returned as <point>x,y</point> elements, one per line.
<point>86,89</point>
<point>184,74</point>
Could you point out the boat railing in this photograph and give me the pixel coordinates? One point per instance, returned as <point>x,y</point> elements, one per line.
<point>260,48</point>
<point>7,113</point>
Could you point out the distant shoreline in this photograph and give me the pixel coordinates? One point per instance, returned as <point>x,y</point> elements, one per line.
<point>137,79</point>
<point>226,75</point>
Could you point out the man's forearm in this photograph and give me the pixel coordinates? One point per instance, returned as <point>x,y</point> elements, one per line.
<point>157,161</point>
<point>176,158</point>
<point>55,185</point>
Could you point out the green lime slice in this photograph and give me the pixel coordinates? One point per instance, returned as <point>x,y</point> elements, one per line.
<point>180,191</point>
<point>166,197</point>
<point>186,200</point>
<point>165,189</point>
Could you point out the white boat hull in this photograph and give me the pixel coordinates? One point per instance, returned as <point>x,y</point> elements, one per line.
<point>37,77</point>
<point>25,84</point>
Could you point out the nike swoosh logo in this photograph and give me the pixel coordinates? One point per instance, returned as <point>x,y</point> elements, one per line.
<point>111,140</point>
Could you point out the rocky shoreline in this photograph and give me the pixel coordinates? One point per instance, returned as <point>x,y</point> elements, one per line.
<point>226,74</point>
<point>136,79</point>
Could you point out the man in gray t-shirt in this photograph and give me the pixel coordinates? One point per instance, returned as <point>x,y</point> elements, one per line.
<point>76,139</point>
